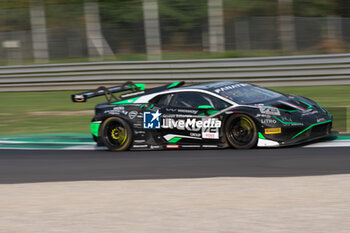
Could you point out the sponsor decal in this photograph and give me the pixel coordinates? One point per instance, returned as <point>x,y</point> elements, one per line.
<point>210,146</point>
<point>268,121</point>
<point>321,120</point>
<point>273,131</point>
<point>210,133</point>
<point>230,87</point>
<point>154,147</point>
<point>151,120</point>
<point>263,115</point>
<point>140,146</point>
<point>191,124</point>
<point>195,134</point>
<point>172,146</point>
<point>180,116</point>
<point>139,141</point>
<point>190,146</point>
<point>116,110</point>
<point>168,116</point>
<point>188,111</point>
<point>269,110</point>
<point>132,114</point>
<point>295,124</point>
<point>286,119</point>
<point>309,112</point>
<point>140,132</point>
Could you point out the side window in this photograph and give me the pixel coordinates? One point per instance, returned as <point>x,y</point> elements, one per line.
<point>162,100</point>
<point>220,104</point>
<point>195,99</point>
<point>188,100</point>
<point>216,102</point>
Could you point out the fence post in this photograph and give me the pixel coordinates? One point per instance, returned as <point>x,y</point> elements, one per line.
<point>242,34</point>
<point>334,27</point>
<point>97,45</point>
<point>39,31</point>
<point>152,29</point>
<point>216,26</point>
<point>286,25</point>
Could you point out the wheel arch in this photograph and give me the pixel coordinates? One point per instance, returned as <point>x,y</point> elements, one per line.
<point>249,111</point>
<point>228,121</point>
<point>130,133</point>
<point>103,118</point>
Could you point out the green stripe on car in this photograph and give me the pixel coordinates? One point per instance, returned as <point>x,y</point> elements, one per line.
<point>128,101</point>
<point>173,85</point>
<point>309,127</point>
<point>174,140</point>
<point>95,126</point>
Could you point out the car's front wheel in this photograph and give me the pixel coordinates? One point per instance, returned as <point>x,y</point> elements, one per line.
<point>116,134</point>
<point>241,131</point>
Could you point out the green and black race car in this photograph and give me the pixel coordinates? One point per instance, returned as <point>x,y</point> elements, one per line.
<point>210,115</point>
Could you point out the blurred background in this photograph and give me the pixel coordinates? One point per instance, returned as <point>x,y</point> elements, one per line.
<point>42,31</point>
<point>35,100</point>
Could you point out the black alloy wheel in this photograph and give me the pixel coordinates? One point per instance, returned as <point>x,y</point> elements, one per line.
<point>241,131</point>
<point>116,134</point>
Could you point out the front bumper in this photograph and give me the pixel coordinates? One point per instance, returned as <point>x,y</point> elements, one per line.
<point>310,133</point>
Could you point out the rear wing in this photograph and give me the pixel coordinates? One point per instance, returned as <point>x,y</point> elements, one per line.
<point>126,91</point>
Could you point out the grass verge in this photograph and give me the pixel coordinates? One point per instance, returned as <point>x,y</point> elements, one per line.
<point>170,56</point>
<point>25,113</point>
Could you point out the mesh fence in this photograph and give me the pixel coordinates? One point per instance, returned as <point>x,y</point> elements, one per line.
<point>184,30</point>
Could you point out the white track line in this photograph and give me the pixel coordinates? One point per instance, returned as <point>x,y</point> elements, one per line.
<point>336,143</point>
<point>92,146</point>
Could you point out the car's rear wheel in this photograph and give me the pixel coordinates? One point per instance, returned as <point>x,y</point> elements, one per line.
<point>241,131</point>
<point>116,134</point>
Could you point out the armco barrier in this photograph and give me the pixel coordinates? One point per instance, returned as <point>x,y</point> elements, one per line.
<point>266,71</point>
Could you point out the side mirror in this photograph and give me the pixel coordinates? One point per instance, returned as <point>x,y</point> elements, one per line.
<point>205,107</point>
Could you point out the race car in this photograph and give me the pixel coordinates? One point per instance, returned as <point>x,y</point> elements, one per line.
<point>209,115</point>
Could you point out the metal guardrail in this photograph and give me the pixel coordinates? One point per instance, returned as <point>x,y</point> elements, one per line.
<point>265,71</point>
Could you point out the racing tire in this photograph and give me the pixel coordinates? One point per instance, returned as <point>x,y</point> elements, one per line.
<point>241,131</point>
<point>116,134</point>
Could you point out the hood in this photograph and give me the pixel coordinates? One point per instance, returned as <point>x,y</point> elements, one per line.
<point>292,103</point>
<point>299,109</point>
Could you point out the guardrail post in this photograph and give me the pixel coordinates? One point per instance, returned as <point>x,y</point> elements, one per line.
<point>39,32</point>
<point>152,31</point>
<point>216,26</point>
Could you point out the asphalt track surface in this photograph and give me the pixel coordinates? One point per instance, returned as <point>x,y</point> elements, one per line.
<point>28,166</point>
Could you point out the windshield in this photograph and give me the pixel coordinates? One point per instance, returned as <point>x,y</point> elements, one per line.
<point>243,93</point>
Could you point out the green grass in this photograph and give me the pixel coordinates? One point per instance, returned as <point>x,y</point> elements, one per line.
<point>335,98</point>
<point>17,108</point>
<point>324,95</point>
<point>21,105</point>
<point>168,56</point>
